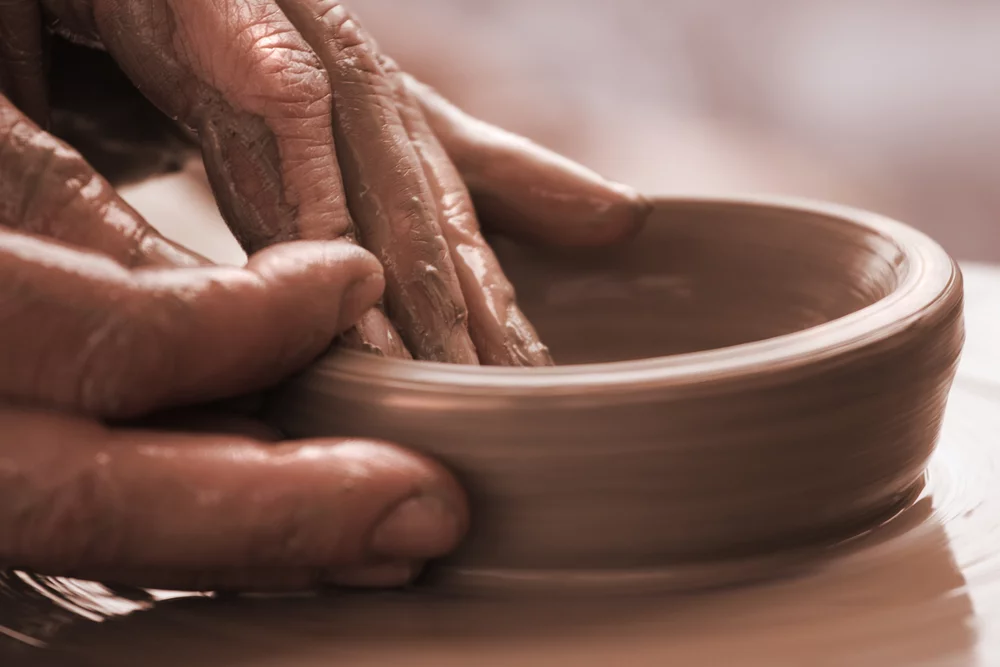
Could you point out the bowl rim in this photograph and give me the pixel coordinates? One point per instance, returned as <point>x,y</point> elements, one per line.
<point>927,276</point>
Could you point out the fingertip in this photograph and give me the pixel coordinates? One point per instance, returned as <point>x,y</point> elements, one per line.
<point>209,511</point>
<point>424,513</point>
<point>623,219</point>
<point>349,279</point>
<point>346,261</point>
<point>428,525</point>
<point>525,190</point>
<point>612,214</point>
<point>358,298</point>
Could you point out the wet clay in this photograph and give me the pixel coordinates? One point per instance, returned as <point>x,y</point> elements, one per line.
<point>834,338</point>
<point>921,589</point>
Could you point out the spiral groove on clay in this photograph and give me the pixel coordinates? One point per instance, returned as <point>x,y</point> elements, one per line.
<point>837,334</point>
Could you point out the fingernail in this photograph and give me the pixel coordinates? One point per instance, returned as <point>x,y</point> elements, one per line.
<point>386,575</point>
<point>358,298</point>
<point>419,528</point>
<point>620,220</point>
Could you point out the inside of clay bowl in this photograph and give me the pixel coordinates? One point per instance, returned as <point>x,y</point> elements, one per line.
<point>779,379</point>
<point>700,277</point>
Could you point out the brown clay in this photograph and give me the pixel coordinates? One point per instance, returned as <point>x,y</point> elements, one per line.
<point>918,590</point>
<point>748,376</point>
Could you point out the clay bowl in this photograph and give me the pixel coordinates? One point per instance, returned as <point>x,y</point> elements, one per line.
<point>748,378</point>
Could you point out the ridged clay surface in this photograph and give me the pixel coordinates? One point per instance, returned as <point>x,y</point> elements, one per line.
<point>746,377</point>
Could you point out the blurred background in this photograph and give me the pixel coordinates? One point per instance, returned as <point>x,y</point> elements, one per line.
<point>891,105</point>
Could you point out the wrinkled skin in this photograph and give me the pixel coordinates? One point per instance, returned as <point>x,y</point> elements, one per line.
<point>316,145</point>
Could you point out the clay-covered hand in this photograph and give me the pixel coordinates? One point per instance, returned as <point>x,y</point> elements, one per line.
<point>309,132</point>
<point>103,321</point>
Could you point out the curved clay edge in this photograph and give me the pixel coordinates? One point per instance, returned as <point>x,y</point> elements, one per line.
<point>930,283</point>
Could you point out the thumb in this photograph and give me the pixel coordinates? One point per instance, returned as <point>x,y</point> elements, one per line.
<point>90,335</point>
<point>217,511</point>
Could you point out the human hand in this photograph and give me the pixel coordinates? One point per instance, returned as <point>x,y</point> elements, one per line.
<point>309,132</point>
<point>233,511</point>
<point>113,322</point>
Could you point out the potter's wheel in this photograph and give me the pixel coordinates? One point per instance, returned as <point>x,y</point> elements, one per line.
<point>925,589</point>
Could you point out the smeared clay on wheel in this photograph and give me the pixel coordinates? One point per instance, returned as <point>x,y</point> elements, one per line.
<point>811,349</point>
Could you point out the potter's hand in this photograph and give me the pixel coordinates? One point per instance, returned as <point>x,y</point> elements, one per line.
<point>308,132</point>
<point>122,324</point>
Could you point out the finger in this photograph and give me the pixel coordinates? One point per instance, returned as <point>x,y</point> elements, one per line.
<point>503,336</point>
<point>527,191</point>
<point>47,188</point>
<point>22,58</point>
<point>371,335</point>
<point>386,187</point>
<point>259,100</point>
<point>84,333</point>
<point>84,500</point>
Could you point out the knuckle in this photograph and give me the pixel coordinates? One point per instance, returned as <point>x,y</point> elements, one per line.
<point>357,63</point>
<point>22,170</point>
<point>333,13</point>
<point>388,65</point>
<point>456,209</point>
<point>41,179</point>
<point>280,67</point>
<point>126,357</point>
<point>262,65</point>
<point>356,58</point>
